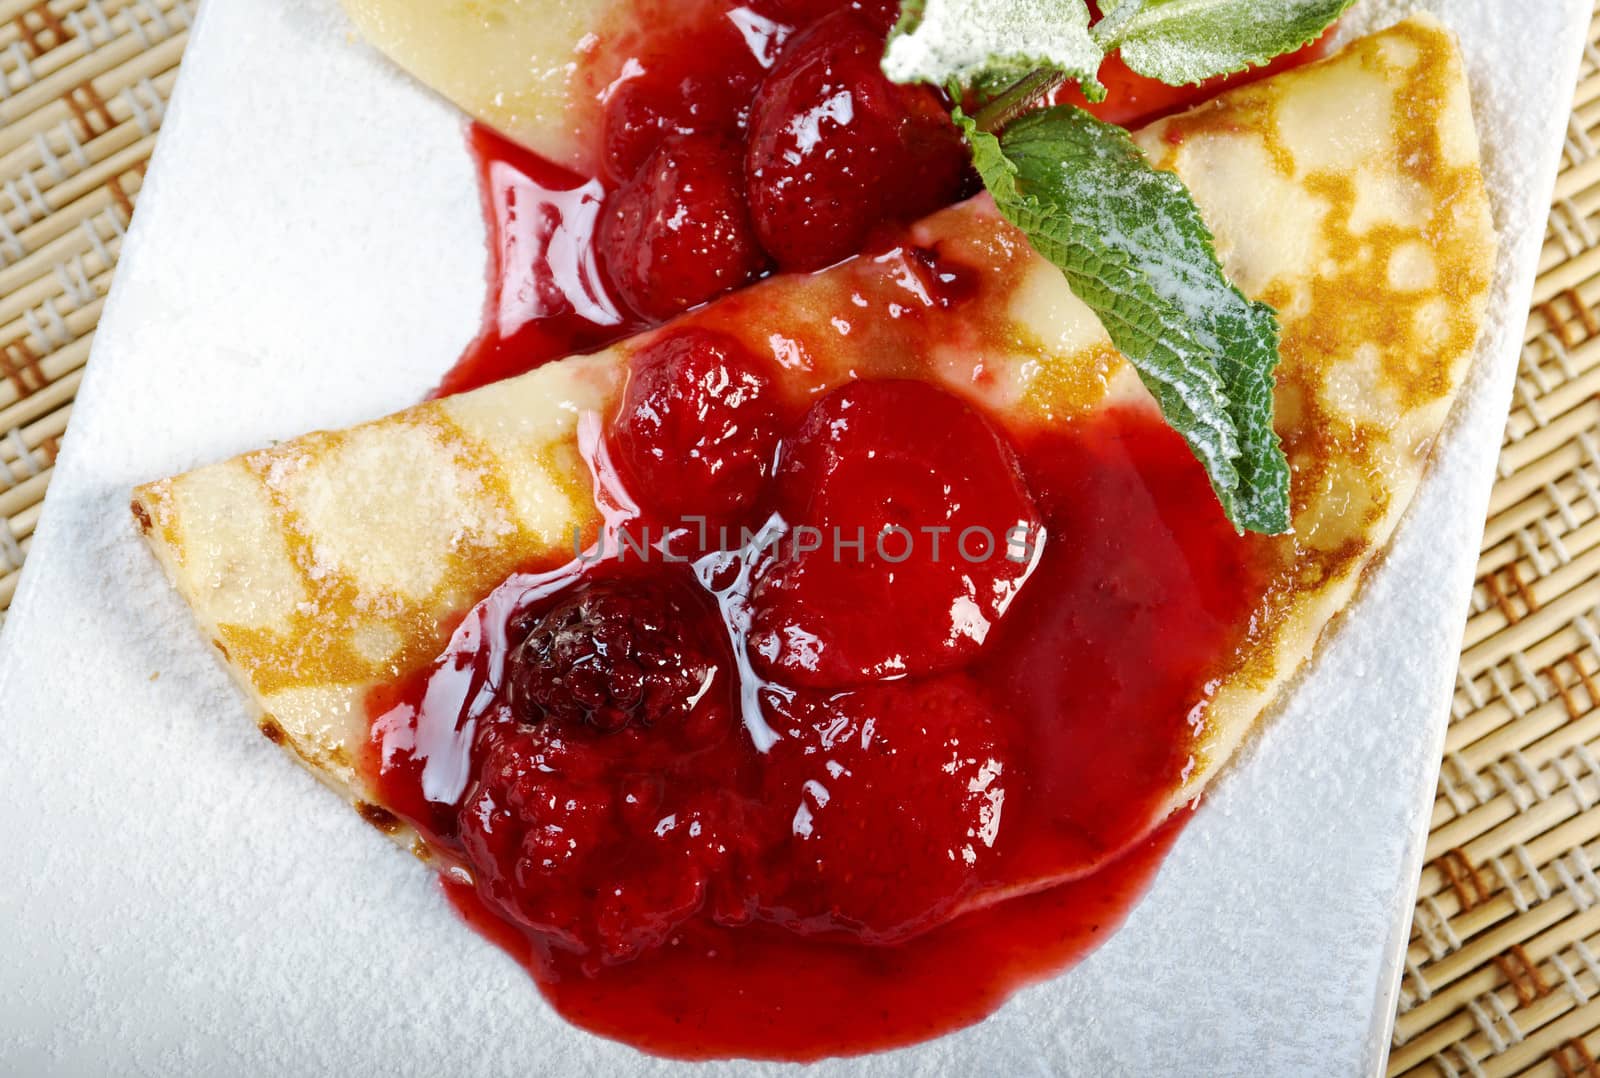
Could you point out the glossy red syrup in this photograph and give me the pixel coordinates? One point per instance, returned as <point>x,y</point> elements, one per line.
<point>797,926</point>
<point>759,993</point>
<point>737,137</point>
<point>693,895</point>
<point>1133,100</point>
<point>548,295</point>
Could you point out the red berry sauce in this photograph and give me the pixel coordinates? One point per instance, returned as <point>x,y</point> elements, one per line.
<point>547,294</point>
<point>675,782</point>
<point>758,993</point>
<point>577,263</point>
<point>752,797</point>
<point>738,138</point>
<point>1133,100</point>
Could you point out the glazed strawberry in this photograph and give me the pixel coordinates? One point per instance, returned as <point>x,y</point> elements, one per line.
<point>835,148</point>
<point>699,81</point>
<point>698,428</point>
<point>701,77</point>
<point>912,534</point>
<point>800,14</point>
<point>612,655</point>
<point>890,802</point>
<point>551,845</point>
<point>679,233</point>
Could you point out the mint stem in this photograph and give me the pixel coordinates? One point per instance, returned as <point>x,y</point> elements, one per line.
<point>1021,96</point>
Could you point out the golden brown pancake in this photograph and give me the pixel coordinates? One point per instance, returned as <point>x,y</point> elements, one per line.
<point>1347,194</point>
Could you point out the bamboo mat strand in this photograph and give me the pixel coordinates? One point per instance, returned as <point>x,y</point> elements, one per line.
<point>84,85</point>
<point>1503,969</point>
<point>1502,973</point>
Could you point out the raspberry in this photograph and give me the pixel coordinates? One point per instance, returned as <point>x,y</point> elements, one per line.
<point>836,149</point>
<point>609,656</point>
<point>605,808</point>
<point>890,802</point>
<point>698,428</point>
<point>946,528</point>
<point>679,233</point>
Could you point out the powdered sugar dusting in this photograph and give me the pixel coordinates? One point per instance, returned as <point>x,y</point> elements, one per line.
<point>961,38</point>
<point>180,900</point>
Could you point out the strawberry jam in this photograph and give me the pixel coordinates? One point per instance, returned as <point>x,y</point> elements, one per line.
<point>1132,100</point>
<point>867,706</point>
<point>577,263</point>
<point>737,137</point>
<point>758,992</point>
<point>665,821</point>
<point>547,294</point>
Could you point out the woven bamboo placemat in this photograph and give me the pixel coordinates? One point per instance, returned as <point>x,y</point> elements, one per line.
<point>1503,972</point>
<point>83,85</point>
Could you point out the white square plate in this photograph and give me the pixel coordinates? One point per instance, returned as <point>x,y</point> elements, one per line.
<point>179,899</point>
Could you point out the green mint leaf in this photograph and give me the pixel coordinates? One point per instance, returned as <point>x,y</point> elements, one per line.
<point>1133,246</point>
<point>910,18</point>
<point>1183,41</point>
<point>992,42</point>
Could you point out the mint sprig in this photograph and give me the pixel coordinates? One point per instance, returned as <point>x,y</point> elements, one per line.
<point>1183,41</point>
<point>1128,238</point>
<point>1133,246</point>
<point>968,42</point>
